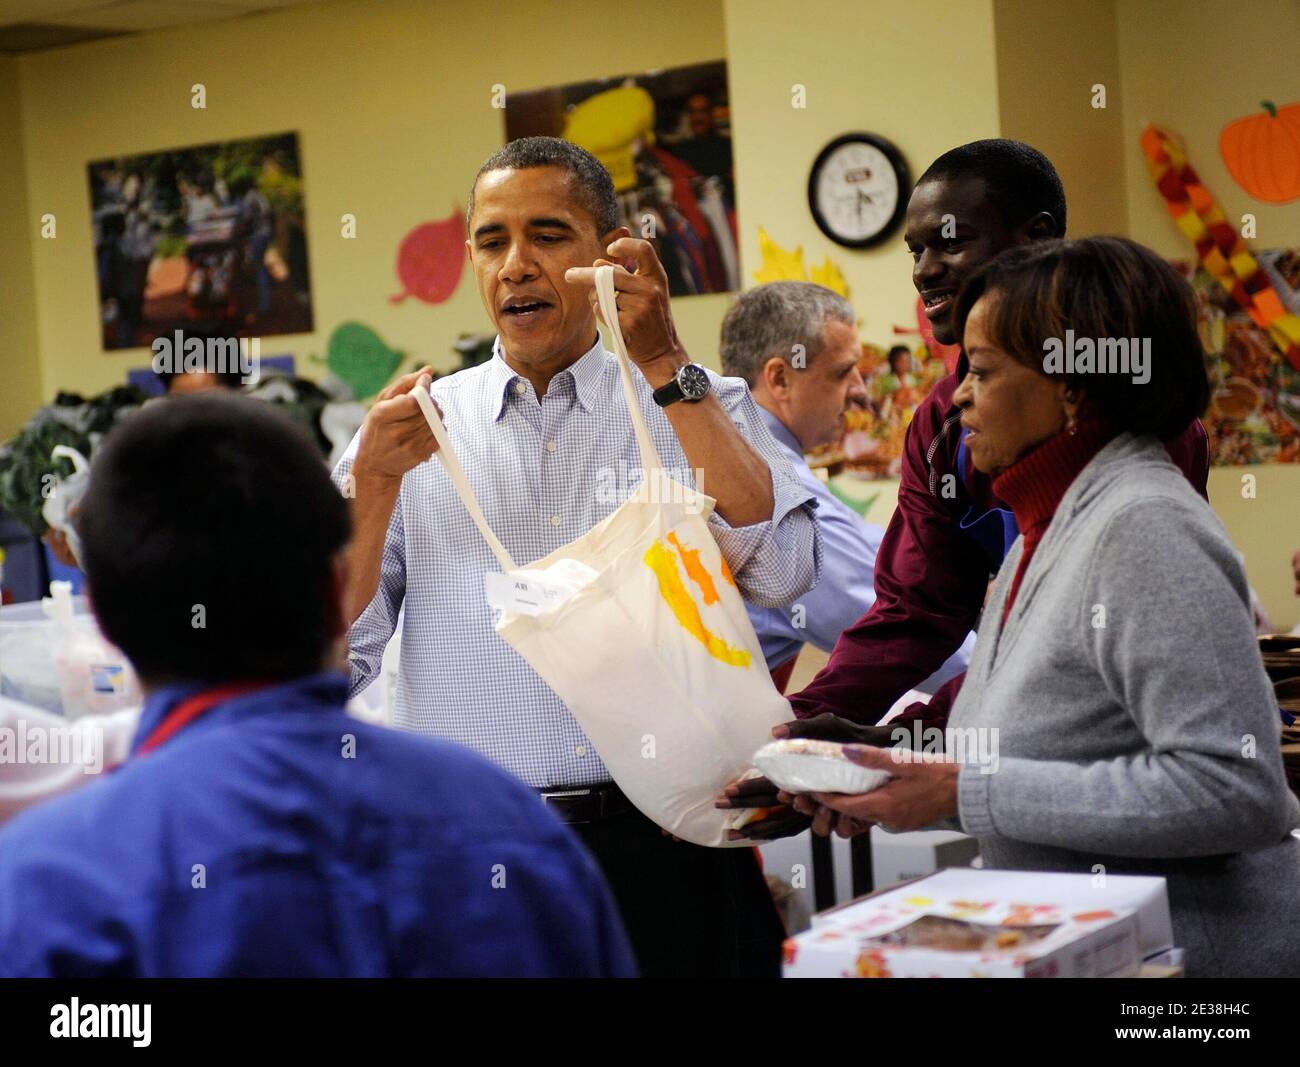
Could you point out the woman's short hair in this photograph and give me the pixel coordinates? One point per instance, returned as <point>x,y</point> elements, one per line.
<point>1112,300</point>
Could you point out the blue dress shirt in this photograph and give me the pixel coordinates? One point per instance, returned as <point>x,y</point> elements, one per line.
<point>274,835</point>
<point>545,472</point>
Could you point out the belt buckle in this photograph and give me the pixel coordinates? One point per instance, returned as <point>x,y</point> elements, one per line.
<point>578,813</point>
<point>547,795</point>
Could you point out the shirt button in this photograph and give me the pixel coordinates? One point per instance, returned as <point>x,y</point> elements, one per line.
<point>551,446</point>
<point>581,750</point>
<point>555,520</point>
<point>521,388</point>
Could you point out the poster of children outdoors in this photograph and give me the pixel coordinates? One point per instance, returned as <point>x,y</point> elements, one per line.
<point>212,236</point>
<point>665,138</point>
<point>897,379</point>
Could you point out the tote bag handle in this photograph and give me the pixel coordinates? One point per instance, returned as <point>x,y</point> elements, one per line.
<point>458,480</point>
<point>650,460</point>
<point>606,296</point>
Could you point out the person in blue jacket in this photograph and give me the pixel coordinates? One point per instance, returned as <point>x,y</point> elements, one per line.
<point>256,829</point>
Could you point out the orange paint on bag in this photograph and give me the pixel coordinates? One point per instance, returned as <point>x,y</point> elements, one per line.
<point>660,559</point>
<point>695,570</point>
<point>726,573</point>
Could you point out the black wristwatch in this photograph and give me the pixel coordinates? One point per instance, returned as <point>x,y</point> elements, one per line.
<point>691,383</point>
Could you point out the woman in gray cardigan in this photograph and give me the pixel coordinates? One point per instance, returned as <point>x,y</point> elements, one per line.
<point>1116,658</point>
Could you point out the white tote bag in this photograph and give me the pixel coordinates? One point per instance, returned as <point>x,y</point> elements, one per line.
<point>639,628</point>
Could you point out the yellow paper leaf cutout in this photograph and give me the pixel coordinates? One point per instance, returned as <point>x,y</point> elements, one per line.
<point>778,265</point>
<point>660,559</point>
<point>829,275</point>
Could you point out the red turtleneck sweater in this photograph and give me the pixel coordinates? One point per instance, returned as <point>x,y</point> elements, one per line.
<point>1035,484</point>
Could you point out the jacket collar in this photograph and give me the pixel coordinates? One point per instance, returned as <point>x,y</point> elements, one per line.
<point>326,688</point>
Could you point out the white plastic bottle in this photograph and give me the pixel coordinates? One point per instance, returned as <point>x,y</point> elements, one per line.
<point>93,675</point>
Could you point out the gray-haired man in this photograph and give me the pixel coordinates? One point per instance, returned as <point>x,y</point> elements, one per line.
<point>796,345</point>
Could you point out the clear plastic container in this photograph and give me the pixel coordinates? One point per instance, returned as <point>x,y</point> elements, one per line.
<point>52,656</point>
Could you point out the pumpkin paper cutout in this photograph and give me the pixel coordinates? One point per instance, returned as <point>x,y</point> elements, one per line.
<point>1262,152</point>
<point>358,356</point>
<point>430,260</point>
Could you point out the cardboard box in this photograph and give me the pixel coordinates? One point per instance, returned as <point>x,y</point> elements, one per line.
<point>1055,925</point>
<point>902,857</point>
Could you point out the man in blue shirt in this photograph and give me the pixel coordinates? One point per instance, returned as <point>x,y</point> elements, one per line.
<point>796,345</point>
<point>545,438</point>
<point>256,829</point>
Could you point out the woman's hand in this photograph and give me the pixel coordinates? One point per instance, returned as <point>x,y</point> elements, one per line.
<point>922,791</point>
<point>760,793</point>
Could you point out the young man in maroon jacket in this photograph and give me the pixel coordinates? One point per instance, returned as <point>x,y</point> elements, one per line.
<point>949,532</point>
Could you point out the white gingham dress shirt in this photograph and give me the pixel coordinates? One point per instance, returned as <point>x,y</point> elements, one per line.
<point>544,475</point>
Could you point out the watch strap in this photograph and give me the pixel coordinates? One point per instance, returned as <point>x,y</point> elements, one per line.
<point>668,394</point>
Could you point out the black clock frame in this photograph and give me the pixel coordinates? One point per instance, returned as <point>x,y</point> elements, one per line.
<point>901,171</point>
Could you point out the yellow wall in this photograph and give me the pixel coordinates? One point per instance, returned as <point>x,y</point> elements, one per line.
<point>20,386</point>
<point>1265,530</point>
<point>1193,67</point>
<point>865,66</point>
<point>1050,55</point>
<point>392,103</point>
<point>391,99</point>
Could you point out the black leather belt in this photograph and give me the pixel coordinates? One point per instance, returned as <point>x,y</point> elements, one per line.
<point>588,804</point>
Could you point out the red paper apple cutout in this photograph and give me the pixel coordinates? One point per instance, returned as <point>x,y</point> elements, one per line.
<point>430,260</point>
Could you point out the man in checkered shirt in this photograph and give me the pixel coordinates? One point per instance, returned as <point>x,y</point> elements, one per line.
<point>543,433</point>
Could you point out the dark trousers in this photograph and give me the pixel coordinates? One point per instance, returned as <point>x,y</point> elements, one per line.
<point>691,912</point>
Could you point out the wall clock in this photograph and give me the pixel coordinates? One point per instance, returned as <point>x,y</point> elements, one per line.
<point>858,189</point>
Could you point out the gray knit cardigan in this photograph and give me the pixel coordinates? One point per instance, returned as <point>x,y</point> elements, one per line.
<point>1136,729</point>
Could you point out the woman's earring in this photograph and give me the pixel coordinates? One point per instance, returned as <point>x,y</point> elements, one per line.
<point>1071,424</point>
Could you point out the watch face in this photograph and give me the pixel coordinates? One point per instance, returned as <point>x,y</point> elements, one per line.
<point>694,381</point>
<point>857,189</point>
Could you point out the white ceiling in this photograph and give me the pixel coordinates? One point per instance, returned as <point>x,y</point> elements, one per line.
<point>28,25</point>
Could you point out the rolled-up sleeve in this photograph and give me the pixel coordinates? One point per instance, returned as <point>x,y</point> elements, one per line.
<point>370,634</point>
<point>780,559</point>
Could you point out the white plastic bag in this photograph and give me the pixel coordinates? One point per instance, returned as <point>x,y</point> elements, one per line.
<point>655,655</point>
<point>66,495</point>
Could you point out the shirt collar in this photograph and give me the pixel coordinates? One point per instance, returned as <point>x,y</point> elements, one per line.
<point>780,431</point>
<point>587,372</point>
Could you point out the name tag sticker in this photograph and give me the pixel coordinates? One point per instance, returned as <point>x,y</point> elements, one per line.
<point>523,596</point>
<point>535,591</point>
